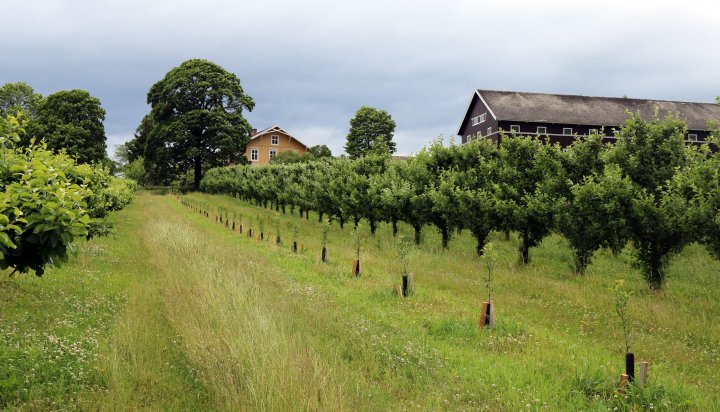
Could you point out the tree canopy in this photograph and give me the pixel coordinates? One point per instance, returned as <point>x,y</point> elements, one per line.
<point>17,97</point>
<point>369,127</point>
<point>72,120</point>
<point>196,120</point>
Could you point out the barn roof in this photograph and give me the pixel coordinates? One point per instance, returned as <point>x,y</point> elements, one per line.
<point>588,110</point>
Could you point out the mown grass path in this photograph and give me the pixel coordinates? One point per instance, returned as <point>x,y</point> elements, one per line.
<point>177,312</point>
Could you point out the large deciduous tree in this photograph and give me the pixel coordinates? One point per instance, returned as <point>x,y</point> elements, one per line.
<point>197,115</point>
<point>72,120</point>
<point>369,127</point>
<point>18,97</point>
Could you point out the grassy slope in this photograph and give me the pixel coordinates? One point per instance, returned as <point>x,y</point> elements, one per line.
<point>178,312</point>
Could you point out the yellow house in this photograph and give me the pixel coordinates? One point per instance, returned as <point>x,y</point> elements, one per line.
<point>265,144</point>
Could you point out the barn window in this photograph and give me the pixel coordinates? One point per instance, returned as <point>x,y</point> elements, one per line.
<point>542,130</point>
<point>254,155</point>
<point>567,130</point>
<point>515,128</point>
<point>274,139</point>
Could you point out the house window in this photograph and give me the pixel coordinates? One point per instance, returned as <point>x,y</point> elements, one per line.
<point>273,152</point>
<point>542,130</point>
<point>489,131</point>
<point>274,139</point>
<point>254,155</point>
<point>469,138</point>
<point>515,128</point>
<point>479,119</point>
<point>567,130</point>
<point>592,131</point>
<point>692,137</point>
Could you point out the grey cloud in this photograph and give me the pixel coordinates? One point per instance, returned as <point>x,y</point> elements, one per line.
<point>310,65</point>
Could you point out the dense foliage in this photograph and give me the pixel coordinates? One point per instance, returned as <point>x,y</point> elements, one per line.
<point>649,188</point>
<point>72,120</point>
<point>47,200</point>
<point>369,128</point>
<point>196,121</point>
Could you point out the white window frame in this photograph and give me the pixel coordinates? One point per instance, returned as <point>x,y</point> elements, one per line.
<point>544,132</point>
<point>515,128</point>
<point>272,153</point>
<point>479,119</point>
<point>593,131</point>
<point>692,137</point>
<point>489,131</point>
<point>254,154</point>
<point>567,131</point>
<point>274,139</point>
<point>469,137</point>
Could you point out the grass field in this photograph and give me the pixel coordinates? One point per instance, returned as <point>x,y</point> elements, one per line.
<point>177,312</point>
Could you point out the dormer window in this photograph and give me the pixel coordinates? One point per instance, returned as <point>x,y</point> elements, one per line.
<point>274,139</point>
<point>479,119</point>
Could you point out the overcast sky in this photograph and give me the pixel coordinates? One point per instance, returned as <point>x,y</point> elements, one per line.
<point>309,65</point>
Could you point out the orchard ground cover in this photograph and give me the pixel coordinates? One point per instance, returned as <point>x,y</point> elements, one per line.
<point>176,311</point>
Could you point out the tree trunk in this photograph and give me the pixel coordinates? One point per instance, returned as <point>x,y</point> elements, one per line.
<point>418,233</point>
<point>373,226</point>
<point>480,246</point>
<point>320,216</point>
<point>198,172</point>
<point>283,208</point>
<point>524,251</point>
<point>395,227</point>
<point>445,236</point>
<point>356,221</point>
<point>656,276</point>
<point>307,215</point>
<point>507,235</point>
<point>277,206</point>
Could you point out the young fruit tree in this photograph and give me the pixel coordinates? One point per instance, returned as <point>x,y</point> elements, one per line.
<point>650,153</point>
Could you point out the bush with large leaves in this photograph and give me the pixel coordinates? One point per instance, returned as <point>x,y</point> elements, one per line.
<point>47,201</point>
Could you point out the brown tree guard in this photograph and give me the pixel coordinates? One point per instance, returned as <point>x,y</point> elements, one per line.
<point>294,247</point>
<point>241,228</point>
<point>324,256</point>
<point>623,383</point>
<point>487,315</point>
<point>398,291</point>
<point>356,268</point>
<point>405,285</point>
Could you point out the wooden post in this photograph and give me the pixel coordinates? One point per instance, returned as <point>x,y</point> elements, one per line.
<point>411,283</point>
<point>302,248</point>
<point>398,291</point>
<point>356,268</point>
<point>623,383</point>
<point>324,256</point>
<point>642,376</point>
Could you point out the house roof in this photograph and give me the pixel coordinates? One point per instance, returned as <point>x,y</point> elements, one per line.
<point>588,110</point>
<point>276,129</point>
